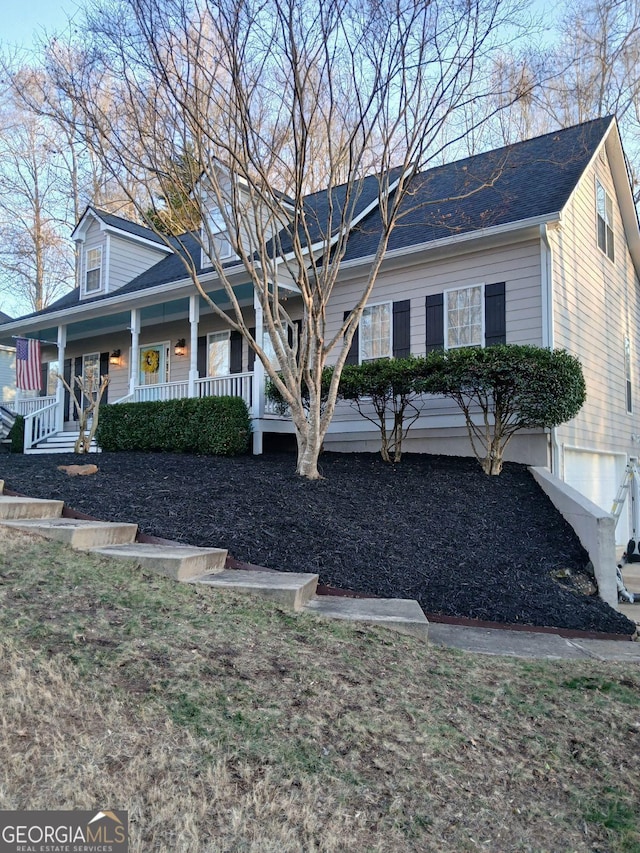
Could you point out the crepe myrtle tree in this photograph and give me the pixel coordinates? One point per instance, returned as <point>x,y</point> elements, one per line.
<point>263,96</point>
<point>503,389</point>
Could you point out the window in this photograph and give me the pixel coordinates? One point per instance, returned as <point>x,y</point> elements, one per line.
<point>627,374</point>
<point>221,247</point>
<point>53,371</point>
<point>604,208</point>
<point>463,316</point>
<point>93,276</point>
<point>269,350</point>
<point>375,332</point>
<point>218,355</point>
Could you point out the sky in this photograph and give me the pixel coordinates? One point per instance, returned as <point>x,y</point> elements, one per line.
<point>21,21</point>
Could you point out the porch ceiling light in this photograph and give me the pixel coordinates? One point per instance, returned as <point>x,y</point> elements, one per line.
<point>115,357</point>
<point>180,347</point>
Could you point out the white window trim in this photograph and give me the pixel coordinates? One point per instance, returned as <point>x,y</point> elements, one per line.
<point>607,195</point>
<point>376,305</point>
<point>88,269</point>
<point>218,229</point>
<point>445,319</point>
<point>219,334</point>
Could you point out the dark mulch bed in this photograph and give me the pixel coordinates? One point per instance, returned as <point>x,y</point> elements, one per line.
<point>433,528</point>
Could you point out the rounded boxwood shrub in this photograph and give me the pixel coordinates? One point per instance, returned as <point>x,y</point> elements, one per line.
<point>216,426</point>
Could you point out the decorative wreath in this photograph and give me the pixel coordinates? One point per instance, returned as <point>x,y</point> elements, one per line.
<point>150,361</point>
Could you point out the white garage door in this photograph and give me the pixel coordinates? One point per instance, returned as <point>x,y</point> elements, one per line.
<point>598,477</point>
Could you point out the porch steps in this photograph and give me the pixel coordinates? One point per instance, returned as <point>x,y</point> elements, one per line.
<point>205,566</point>
<point>61,442</point>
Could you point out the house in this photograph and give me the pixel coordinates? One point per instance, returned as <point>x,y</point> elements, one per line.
<point>7,368</point>
<point>545,251</point>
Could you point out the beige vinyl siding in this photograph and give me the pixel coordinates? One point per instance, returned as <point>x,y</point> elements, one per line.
<point>128,259</point>
<point>596,306</point>
<point>516,265</point>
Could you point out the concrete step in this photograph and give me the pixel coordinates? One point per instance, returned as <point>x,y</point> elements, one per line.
<point>80,534</point>
<point>400,614</point>
<point>288,588</point>
<point>12,509</point>
<point>181,562</point>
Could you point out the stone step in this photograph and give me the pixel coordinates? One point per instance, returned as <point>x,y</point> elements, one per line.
<point>400,614</point>
<point>12,509</point>
<point>181,562</point>
<point>288,588</point>
<point>80,534</point>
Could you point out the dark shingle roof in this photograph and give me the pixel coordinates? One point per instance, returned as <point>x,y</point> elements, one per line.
<point>529,179</point>
<point>4,318</point>
<point>126,225</point>
<point>518,182</point>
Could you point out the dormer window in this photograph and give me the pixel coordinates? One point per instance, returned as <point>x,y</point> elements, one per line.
<point>221,247</point>
<point>93,274</point>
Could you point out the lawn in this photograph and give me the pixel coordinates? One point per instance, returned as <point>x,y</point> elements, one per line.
<point>433,528</point>
<point>225,724</point>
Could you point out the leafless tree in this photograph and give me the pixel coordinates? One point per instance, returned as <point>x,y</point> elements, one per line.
<point>276,99</point>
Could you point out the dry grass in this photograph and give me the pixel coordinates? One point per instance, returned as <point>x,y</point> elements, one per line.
<point>225,724</point>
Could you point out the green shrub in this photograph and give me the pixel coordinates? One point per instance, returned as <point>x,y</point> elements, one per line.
<point>513,386</point>
<point>384,390</point>
<point>16,434</point>
<point>214,426</point>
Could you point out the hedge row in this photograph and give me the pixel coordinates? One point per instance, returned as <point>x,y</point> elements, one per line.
<point>213,426</point>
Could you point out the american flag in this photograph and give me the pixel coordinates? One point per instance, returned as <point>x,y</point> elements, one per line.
<point>28,364</point>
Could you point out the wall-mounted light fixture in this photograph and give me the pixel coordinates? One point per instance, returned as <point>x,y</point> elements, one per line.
<point>180,347</point>
<point>115,358</point>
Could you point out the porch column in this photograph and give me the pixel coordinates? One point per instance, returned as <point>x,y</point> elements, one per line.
<point>62,343</point>
<point>194,317</point>
<point>258,382</point>
<point>135,346</point>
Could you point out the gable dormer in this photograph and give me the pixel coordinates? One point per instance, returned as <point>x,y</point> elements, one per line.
<point>112,251</point>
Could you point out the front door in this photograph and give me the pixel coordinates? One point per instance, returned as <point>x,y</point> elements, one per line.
<point>154,364</point>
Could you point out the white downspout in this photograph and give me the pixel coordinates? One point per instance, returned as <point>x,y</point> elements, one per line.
<point>548,326</point>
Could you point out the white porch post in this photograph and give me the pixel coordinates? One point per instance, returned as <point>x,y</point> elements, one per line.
<point>62,343</point>
<point>135,346</point>
<point>258,382</point>
<point>194,317</point>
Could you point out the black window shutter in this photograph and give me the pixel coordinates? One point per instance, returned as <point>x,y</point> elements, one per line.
<point>202,357</point>
<point>298,325</point>
<point>77,393</point>
<point>353,356</point>
<point>435,321</point>
<point>66,372</point>
<point>251,356</point>
<point>402,329</point>
<point>104,371</point>
<point>495,321</point>
<point>235,352</point>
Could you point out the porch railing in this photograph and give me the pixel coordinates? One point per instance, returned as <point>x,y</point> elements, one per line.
<point>41,423</point>
<point>233,385</point>
<point>162,391</point>
<point>31,405</point>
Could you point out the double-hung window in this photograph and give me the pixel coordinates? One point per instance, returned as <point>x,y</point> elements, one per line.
<point>375,332</point>
<point>604,216</point>
<point>221,247</point>
<point>93,272</point>
<point>464,317</point>
<point>218,355</point>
